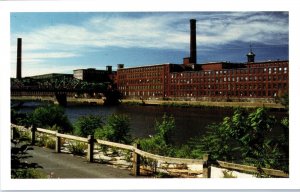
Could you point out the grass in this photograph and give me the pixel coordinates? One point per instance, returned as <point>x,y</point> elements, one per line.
<point>222,104</point>
<point>77,148</point>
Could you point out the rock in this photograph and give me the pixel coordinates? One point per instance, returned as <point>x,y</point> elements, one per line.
<point>104,158</point>
<point>195,167</point>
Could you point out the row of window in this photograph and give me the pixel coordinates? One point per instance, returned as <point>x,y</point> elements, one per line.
<point>262,65</point>
<point>143,93</point>
<point>270,70</point>
<point>138,88</point>
<point>230,79</point>
<point>225,94</point>
<point>142,81</point>
<point>230,86</point>
<point>143,69</point>
<point>139,75</point>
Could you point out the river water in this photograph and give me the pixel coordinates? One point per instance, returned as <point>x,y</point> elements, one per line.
<point>190,122</point>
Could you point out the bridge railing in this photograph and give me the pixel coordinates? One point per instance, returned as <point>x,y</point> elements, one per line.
<point>137,153</point>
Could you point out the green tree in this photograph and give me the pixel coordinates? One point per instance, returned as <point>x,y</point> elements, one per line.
<point>284,100</point>
<point>245,138</point>
<point>51,116</point>
<point>161,142</point>
<point>86,125</point>
<point>117,129</point>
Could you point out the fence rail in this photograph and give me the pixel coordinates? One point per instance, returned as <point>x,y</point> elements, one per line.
<point>251,169</point>
<point>137,153</point>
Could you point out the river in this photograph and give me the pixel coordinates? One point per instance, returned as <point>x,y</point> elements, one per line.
<point>190,122</point>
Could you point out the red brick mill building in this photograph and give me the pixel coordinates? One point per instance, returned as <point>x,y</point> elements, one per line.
<point>209,81</point>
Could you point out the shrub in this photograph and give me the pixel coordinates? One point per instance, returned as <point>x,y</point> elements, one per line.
<point>245,137</point>
<point>46,141</point>
<point>86,125</point>
<point>20,168</point>
<point>29,173</point>
<point>51,143</point>
<point>116,129</point>
<point>165,128</point>
<point>51,116</point>
<point>161,142</point>
<point>228,174</point>
<point>19,118</point>
<point>77,148</point>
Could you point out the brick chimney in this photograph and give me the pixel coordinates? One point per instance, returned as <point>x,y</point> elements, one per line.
<point>19,59</point>
<point>193,45</point>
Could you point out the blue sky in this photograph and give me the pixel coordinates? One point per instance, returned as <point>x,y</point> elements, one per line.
<point>61,42</point>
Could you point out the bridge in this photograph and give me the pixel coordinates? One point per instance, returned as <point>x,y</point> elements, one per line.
<point>60,88</point>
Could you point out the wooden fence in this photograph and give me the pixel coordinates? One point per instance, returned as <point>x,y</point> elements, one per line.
<point>253,170</point>
<point>136,151</point>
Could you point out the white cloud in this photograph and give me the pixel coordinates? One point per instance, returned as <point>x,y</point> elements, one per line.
<point>160,31</point>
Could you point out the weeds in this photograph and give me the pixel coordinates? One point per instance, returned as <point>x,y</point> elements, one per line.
<point>77,148</point>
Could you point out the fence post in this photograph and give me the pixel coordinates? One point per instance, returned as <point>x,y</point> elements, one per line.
<point>33,130</point>
<point>136,161</point>
<point>90,151</point>
<point>13,132</point>
<point>57,143</point>
<point>206,166</point>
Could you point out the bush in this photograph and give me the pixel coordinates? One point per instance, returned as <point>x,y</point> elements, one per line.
<point>51,116</point>
<point>86,125</point>
<point>29,173</point>
<point>228,174</point>
<point>19,118</point>
<point>161,142</point>
<point>116,129</point>
<point>77,148</point>
<point>20,168</point>
<point>46,141</point>
<point>244,138</point>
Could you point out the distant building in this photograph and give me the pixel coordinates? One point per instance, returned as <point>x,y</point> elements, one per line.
<point>51,75</point>
<point>94,75</point>
<point>208,81</point>
<point>223,80</point>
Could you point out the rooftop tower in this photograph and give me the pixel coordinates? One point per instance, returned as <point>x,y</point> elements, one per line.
<point>251,56</point>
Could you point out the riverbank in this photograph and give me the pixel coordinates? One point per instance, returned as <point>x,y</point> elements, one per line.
<point>203,103</point>
<point>94,101</point>
<point>70,100</point>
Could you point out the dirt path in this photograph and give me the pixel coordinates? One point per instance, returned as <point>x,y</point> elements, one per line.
<point>60,165</point>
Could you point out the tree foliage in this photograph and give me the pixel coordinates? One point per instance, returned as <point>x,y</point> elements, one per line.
<point>86,125</point>
<point>245,138</point>
<point>161,142</point>
<point>117,129</point>
<point>51,116</point>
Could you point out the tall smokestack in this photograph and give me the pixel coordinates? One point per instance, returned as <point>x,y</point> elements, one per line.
<point>19,59</point>
<point>193,45</point>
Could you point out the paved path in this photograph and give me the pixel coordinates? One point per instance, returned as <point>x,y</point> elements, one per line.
<point>60,165</point>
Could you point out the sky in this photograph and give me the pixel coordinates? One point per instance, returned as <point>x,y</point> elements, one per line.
<point>59,42</point>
